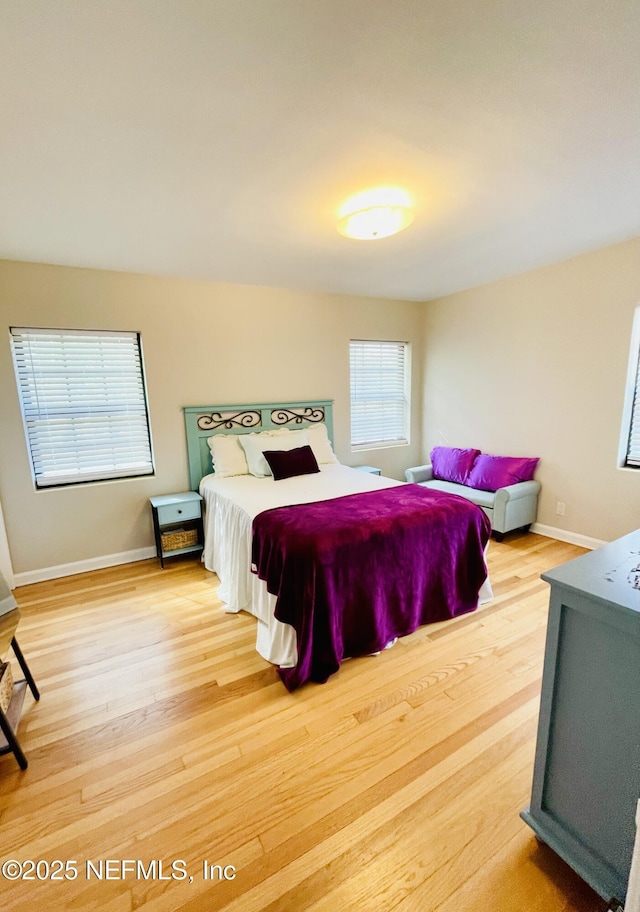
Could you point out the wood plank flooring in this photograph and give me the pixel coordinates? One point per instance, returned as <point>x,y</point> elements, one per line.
<point>162,737</point>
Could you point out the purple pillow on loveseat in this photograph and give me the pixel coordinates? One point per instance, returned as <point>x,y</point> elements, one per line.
<point>492,472</point>
<point>452,464</point>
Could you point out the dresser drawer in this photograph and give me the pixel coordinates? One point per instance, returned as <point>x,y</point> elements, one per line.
<point>175,513</point>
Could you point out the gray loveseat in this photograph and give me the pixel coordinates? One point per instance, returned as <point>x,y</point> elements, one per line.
<point>512,507</point>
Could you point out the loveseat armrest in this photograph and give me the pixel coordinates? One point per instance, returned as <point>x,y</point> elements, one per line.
<point>518,490</point>
<point>515,506</point>
<point>419,473</point>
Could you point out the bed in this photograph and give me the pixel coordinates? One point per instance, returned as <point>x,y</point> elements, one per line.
<point>332,562</point>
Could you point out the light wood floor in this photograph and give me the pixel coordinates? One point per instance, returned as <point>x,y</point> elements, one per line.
<point>161,735</point>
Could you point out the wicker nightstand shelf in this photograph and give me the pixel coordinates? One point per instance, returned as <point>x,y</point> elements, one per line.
<point>177,524</point>
<point>10,718</point>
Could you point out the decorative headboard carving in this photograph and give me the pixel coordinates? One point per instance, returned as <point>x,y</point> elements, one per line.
<point>229,420</point>
<point>205,421</point>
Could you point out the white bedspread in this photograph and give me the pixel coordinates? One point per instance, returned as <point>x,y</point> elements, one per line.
<point>231,504</point>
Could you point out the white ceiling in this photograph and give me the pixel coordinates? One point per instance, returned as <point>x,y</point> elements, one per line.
<point>215,139</point>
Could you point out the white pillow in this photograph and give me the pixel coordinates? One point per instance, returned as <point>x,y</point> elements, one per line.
<point>254,446</point>
<point>227,456</point>
<point>320,444</point>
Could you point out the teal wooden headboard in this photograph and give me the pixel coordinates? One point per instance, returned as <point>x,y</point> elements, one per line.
<point>203,421</point>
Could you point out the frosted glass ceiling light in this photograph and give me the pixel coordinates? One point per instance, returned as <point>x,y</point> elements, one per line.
<point>376,213</point>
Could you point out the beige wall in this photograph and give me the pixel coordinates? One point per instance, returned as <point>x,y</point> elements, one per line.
<point>204,343</point>
<point>532,365</point>
<point>535,365</point>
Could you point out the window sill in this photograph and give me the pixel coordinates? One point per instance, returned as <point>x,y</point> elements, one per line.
<point>379,446</point>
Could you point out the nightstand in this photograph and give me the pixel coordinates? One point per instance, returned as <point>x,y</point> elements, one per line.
<point>177,524</point>
<point>372,470</point>
<point>10,717</point>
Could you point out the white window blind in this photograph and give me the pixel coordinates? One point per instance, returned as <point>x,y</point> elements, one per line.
<point>83,403</point>
<point>379,393</point>
<point>629,450</point>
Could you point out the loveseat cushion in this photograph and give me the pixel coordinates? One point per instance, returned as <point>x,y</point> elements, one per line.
<point>489,473</point>
<point>481,498</point>
<point>452,463</point>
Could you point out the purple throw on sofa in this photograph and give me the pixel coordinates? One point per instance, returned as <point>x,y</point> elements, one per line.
<point>352,573</point>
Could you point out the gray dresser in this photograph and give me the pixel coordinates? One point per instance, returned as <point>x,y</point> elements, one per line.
<point>586,780</point>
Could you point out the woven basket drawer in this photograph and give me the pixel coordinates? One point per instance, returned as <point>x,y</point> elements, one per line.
<point>179,538</point>
<point>6,685</point>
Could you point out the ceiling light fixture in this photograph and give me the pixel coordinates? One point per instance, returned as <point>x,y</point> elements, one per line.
<point>375,213</point>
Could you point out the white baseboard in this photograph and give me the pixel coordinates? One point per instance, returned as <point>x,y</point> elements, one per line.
<point>93,563</point>
<point>129,557</point>
<point>573,538</point>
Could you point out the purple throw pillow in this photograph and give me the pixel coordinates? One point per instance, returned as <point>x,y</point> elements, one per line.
<point>288,463</point>
<point>452,463</point>
<point>492,472</point>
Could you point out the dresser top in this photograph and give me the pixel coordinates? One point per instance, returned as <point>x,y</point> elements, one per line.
<point>610,573</point>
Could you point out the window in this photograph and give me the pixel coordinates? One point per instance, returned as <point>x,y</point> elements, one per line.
<point>629,451</point>
<point>380,414</point>
<point>83,403</point>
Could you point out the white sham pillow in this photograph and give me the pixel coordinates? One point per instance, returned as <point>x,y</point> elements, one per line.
<point>254,446</point>
<point>227,456</point>
<point>320,444</point>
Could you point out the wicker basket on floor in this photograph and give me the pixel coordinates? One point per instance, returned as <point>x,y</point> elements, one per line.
<point>179,538</point>
<point>6,685</point>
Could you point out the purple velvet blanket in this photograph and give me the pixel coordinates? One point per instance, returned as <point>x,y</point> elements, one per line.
<point>352,573</point>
